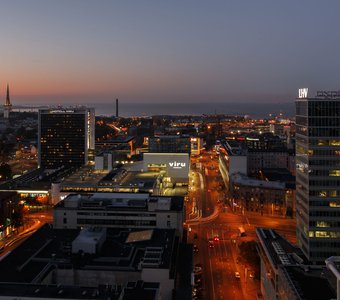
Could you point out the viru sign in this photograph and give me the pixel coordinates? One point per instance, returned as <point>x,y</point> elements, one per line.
<point>177,165</point>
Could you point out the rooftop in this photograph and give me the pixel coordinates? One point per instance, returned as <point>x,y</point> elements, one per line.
<point>119,201</point>
<point>309,284</point>
<point>279,250</point>
<point>239,178</point>
<point>279,174</point>
<point>49,248</point>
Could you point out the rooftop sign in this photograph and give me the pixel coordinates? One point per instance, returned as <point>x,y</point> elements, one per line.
<point>61,111</point>
<point>177,165</point>
<point>303,93</point>
<point>328,94</point>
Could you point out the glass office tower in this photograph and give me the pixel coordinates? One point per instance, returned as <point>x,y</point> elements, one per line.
<point>318,174</point>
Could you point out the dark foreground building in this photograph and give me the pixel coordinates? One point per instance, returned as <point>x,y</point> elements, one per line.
<point>98,263</point>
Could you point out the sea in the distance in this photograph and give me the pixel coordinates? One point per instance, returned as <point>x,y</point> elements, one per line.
<point>254,110</point>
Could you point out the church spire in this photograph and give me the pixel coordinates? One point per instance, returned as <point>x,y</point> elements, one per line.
<point>8,101</point>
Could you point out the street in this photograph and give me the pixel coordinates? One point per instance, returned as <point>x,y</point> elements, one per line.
<point>214,228</point>
<point>32,223</point>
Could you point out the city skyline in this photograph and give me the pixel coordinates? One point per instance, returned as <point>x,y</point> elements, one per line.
<point>57,52</point>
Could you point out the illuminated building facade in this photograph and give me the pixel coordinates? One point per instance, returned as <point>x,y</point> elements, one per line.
<point>66,136</point>
<point>175,166</point>
<point>196,145</point>
<point>318,174</point>
<point>120,210</point>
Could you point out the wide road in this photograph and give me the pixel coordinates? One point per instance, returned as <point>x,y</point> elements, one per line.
<point>220,260</point>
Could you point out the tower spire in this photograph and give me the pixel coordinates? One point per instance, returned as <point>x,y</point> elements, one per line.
<point>8,100</point>
<point>8,104</point>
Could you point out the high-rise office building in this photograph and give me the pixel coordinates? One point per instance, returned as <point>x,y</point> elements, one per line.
<point>318,174</point>
<point>66,136</point>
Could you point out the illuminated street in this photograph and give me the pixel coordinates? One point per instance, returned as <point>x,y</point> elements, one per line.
<point>207,218</point>
<point>32,223</point>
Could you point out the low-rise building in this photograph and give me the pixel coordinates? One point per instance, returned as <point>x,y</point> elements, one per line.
<point>119,210</point>
<point>256,195</point>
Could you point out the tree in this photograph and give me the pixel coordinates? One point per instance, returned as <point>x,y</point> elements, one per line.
<point>249,255</point>
<point>5,172</point>
<point>289,212</point>
<point>17,218</point>
<point>248,251</point>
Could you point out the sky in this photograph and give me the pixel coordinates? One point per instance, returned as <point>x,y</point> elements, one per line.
<point>167,51</point>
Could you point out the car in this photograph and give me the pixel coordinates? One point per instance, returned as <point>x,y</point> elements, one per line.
<point>195,248</point>
<point>197,270</point>
<point>211,244</point>
<point>198,280</point>
<point>237,275</point>
<point>252,275</point>
<point>196,293</point>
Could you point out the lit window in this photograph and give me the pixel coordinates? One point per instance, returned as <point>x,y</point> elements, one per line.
<point>334,142</point>
<point>334,173</point>
<point>323,194</point>
<point>322,224</point>
<point>321,234</point>
<point>322,143</point>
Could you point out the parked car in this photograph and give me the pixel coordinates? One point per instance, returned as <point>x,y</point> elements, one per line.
<point>197,270</point>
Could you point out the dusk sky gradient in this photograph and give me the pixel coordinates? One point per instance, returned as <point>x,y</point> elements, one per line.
<point>167,51</point>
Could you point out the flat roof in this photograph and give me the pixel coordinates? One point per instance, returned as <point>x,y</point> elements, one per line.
<point>55,291</point>
<point>118,201</point>
<point>310,284</point>
<point>279,250</point>
<point>242,179</point>
<point>37,256</point>
<point>118,139</point>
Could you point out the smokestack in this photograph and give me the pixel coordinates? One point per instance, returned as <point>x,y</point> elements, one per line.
<point>117,114</point>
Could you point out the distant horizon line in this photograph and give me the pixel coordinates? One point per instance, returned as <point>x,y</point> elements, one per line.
<point>154,103</point>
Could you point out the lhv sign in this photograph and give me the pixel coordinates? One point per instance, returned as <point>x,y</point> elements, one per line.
<point>303,93</point>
